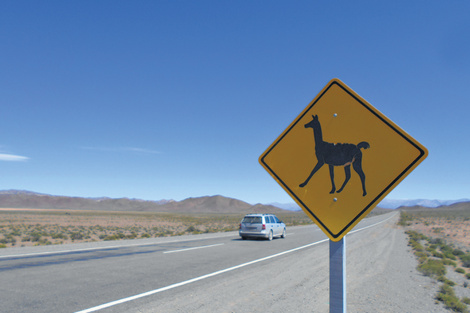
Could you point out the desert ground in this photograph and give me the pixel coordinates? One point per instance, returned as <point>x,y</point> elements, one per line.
<point>437,235</point>
<point>33,227</point>
<point>439,239</point>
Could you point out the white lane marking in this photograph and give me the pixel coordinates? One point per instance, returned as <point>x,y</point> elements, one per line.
<point>111,247</point>
<point>194,248</point>
<point>130,245</point>
<point>148,293</point>
<point>363,228</point>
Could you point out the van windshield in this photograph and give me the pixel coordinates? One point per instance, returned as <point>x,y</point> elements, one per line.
<point>252,219</point>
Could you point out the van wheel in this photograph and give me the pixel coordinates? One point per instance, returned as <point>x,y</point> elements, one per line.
<point>270,235</point>
<point>283,233</point>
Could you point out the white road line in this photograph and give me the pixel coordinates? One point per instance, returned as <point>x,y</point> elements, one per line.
<point>110,247</point>
<point>148,293</point>
<point>194,248</point>
<point>363,228</point>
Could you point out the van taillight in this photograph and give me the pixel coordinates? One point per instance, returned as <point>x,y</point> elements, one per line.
<point>240,225</point>
<point>263,227</point>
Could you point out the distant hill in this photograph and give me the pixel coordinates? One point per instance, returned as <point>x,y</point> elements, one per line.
<point>459,206</point>
<point>208,204</point>
<point>292,206</point>
<point>396,203</point>
<point>388,203</point>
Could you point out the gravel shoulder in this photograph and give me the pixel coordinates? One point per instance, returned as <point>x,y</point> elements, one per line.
<point>381,277</point>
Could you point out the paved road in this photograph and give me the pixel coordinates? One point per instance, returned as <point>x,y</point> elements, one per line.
<point>149,275</point>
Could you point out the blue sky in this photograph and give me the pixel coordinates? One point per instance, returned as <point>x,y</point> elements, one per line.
<point>176,99</point>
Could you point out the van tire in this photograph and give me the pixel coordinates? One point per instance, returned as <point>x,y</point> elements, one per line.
<point>270,237</point>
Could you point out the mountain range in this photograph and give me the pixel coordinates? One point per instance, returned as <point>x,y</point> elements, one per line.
<point>208,204</point>
<point>396,203</point>
<point>388,203</point>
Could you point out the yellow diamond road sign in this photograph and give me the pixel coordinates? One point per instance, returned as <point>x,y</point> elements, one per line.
<point>340,157</point>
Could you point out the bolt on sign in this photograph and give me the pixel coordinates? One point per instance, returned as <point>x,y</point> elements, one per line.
<point>340,157</point>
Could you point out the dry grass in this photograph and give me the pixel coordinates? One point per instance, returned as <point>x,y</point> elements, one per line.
<point>439,241</point>
<point>453,226</point>
<point>29,227</point>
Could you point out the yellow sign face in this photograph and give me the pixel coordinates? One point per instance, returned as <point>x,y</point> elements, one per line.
<point>340,157</point>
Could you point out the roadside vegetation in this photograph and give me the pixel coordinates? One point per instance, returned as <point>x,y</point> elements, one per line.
<point>441,254</point>
<point>50,227</point>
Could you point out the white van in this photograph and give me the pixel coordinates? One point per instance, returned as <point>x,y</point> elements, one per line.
<point>262,225</point>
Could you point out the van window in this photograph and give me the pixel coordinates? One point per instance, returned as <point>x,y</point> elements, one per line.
<point>276,219</point>
<point>252,219</point>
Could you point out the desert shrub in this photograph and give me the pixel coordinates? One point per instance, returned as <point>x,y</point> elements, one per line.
<point>436,241</point>
<point>458,252</point>
<point>466,300</point>
<point>145,235</point>
<point>416,236</point>
<point>450,255</point>
<point>432,268</point>
<point>449,282</point>
<point>421,254</point>
<point>15,232</point>
<point>405,219</point>
<point>59,236</point>
<point>44,241</point>
<point>460,270</point>
<point>447,296</point>
<point>437,254</point>
<point>415,245</point>
<point>449,262</point>
<point>76,236</point>
<point>131,236</point>
<point>467,275</point>
<point>35,236</point>
<point>2,245</point>
<point>465,260</point>
<point>111,237</point>
<point>446,281</point>
<point>191,229</point>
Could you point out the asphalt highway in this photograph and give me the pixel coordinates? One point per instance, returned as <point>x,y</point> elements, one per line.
<point>117,276</point>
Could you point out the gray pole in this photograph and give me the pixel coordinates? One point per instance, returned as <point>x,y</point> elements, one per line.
<point>338,276</point>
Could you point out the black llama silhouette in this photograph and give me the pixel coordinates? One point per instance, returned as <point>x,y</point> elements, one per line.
<point>340,154</point>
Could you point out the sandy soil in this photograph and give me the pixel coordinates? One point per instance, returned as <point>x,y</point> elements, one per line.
<point>30,227</point>
<point>453,230</point>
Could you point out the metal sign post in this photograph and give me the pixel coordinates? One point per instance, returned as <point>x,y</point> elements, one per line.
<point>338,276</point>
